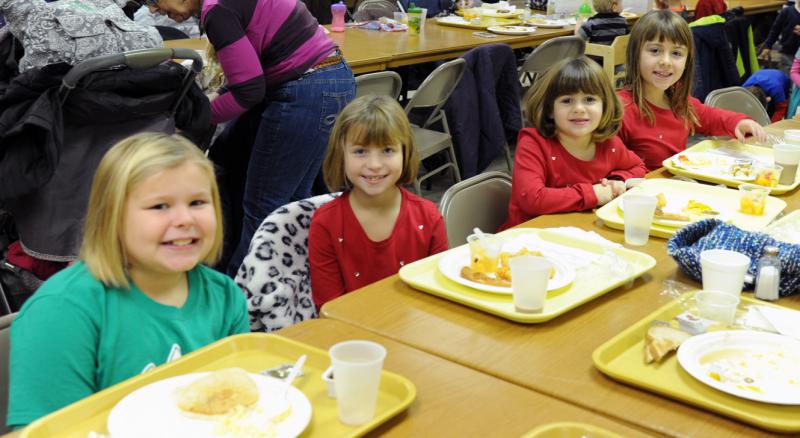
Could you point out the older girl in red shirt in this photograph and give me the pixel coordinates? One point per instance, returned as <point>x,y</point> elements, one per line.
<point>375,226</point>
<point>571,160</point>
<point>659,112</point>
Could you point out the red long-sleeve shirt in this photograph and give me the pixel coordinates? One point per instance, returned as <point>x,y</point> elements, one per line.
<point>343,258</point>
<point>668,136</point>
<point>548,179</point>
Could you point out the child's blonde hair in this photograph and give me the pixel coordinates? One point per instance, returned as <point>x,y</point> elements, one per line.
<point>123,167</point>
<point>605,6</point>
<point>576,75</point>
<point>660,26</point>
<point>369,120</point>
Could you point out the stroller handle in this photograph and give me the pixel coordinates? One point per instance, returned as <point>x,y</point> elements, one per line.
<point>135,59</point>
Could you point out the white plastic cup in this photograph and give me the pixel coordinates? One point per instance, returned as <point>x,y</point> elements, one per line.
<point>787,156</point>
<point>716,305</point>
<point>356,376</point>
<point>723,270</point>
<point>529,277</point>
<point>792,136</point>
<point>638,212</point>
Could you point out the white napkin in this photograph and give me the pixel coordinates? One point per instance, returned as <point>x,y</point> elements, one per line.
<point>572,257</point>
<point>783,321</point>
<point>583,234</point>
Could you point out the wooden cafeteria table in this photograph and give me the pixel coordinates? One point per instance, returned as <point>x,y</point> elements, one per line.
<point>553,358</point>
<point>453,400</point>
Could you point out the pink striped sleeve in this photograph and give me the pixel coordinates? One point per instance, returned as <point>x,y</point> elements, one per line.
<point>225,108</point>
<point>239,61</point>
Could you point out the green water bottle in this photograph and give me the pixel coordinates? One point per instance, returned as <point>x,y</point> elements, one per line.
<point>584,11</point>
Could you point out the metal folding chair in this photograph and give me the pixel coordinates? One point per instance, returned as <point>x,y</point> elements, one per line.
<point>386,83</point>
<point>480,201</point>
<point>547,54</point>
<point>740,100</point>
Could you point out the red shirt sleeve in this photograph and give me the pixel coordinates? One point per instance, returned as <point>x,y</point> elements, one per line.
<point>326,275</point>
<point>529,190</point>
<point>629,164</point>
<point>716,121</point>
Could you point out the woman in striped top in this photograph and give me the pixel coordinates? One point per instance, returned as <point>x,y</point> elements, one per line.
<point>273,52</point>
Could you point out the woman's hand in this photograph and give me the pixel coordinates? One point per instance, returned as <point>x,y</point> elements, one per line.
<point>750,127</point>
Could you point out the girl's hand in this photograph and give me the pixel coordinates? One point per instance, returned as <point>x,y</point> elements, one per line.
<point>750,127</point>
<point>603,192</point>
<point>617,187</point>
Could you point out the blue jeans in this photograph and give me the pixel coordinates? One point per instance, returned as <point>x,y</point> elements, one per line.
<point>290,145</point>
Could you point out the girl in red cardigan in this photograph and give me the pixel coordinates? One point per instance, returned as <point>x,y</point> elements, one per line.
<point>659,112</point>
<point>571,160</point>
<point>375,226</point>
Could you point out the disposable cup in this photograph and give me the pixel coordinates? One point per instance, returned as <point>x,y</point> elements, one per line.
<point>723,270</point>
<point>356,376</point>
<point>416,21</point>
<point>716,305</point>
<point>787,156</point>
<point>638,214</point>
<point>768,176</point>
<point>792,136</point>
<point>484,253</point>
<point>529,277</point>
<point>753,199</point>
<point>401,17</point>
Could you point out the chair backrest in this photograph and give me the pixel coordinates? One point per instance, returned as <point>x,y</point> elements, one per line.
<point>386,83</point>
<point>5,324</point>
<point>437,88</point>
<point>552,51</point>
<point>274,274</point>
<point>612,55</point>
<point>740,100</point>
<point>480,201</point>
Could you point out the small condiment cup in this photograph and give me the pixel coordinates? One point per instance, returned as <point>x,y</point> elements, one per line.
<point>724,270</point>
<point>753,199</point>
<point>484,252</point>
<point>768,176</point>
<point>716,305</point>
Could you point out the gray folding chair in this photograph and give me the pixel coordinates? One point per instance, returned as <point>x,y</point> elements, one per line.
<point>480,201</point>
<point>431,95</point>
<point>5,325</point>
<point>386,83</point>
<point>547,54</point>
<point>740,100</point>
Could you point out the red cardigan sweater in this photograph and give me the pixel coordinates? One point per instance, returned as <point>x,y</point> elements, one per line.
<point>343,258</point>
<point>548,179</point>
<point>669,135</point>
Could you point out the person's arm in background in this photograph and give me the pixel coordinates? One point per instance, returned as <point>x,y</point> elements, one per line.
<point>774,32</point>
<point>239,61</point>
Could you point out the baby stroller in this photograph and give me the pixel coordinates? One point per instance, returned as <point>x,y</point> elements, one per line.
<point>45,178</point>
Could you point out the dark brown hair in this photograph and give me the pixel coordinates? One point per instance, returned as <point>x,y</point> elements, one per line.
<point>660,26</point>
<point>575,75</point>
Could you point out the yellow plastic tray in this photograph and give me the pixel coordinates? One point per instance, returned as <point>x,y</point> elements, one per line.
<point>424,275</point>
<point>253,352</point>
<point>570,430</point>
<point>735,147</point>
<point>621,358</point>
<point>485,23</point>
<point>612,216</point>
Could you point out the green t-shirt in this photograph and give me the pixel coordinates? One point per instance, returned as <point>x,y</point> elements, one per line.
<point>76,336</point>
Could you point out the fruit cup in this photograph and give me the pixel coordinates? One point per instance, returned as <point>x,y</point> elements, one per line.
<point>768,176</point>
<point>753,199</point>
<point>484,253</point>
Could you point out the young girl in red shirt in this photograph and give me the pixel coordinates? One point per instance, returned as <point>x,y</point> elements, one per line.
<point>659,112</point>
<point>571,160</point>
<point>375,227</point>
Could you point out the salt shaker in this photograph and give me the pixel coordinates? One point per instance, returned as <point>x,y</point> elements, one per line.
<point>768,274</point>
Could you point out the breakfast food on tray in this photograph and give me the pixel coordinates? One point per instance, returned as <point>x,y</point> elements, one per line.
<point>660,340</point>
<point>218,392</point>
<point>691,210</point>
<point>692,160</point>
<point>767,177</point>
<point>500,275</point>
<point>741,169</point>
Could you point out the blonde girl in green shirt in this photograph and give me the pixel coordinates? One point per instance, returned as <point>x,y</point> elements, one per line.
<point>140,294</point>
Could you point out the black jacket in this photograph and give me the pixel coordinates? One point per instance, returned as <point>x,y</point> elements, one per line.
<point>31,125</point>
<point>715,66</point>
<point>484,110</point>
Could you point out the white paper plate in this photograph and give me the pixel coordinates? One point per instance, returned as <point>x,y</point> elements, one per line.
<point>768,360</point>
<point>450,265</point>
<point>512,30</point>
<point>674,205</point>
<point>150,411</point>
<point>551,24</point>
